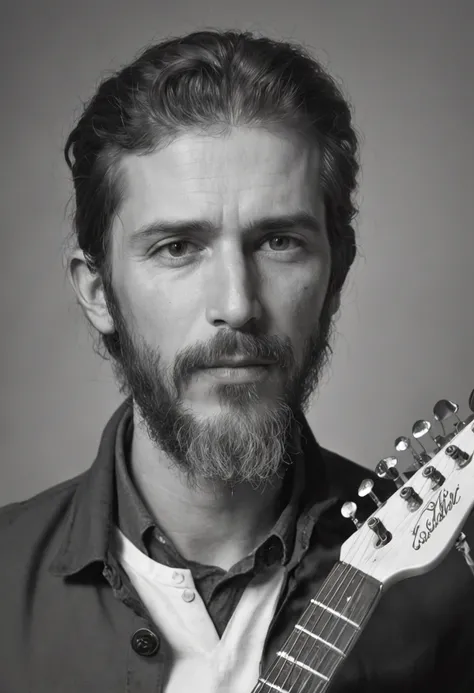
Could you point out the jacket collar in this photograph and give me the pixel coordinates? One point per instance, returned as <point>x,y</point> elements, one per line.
<point>89,522</point>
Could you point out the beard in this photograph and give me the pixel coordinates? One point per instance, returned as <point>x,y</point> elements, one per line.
<point>249,440</point>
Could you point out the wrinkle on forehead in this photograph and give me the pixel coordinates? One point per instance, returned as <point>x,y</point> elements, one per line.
<point>251,170</point>
<point>192,156</point>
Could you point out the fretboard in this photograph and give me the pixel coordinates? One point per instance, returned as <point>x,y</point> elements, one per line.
<point>324,635</point>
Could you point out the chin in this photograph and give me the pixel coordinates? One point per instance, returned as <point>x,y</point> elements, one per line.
<point>240,407</point>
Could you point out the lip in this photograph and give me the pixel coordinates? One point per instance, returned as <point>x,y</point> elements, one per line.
<point>243,363</point>
<point>239,372</point>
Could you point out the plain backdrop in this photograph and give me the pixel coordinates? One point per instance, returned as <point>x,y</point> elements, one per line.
<point>405,333</point>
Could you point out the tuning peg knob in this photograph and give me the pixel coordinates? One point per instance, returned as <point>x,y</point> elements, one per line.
<point>403,443</point>
<point>348,511</point>
<point>421,428</point>
<point>387,469</point>
<point>366,489</point>
<point>444,409</point>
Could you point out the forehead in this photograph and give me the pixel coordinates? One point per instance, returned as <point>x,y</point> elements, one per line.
<point>223,178</point>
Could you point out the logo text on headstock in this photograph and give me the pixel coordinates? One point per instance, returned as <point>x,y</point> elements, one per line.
<point>434,513</point>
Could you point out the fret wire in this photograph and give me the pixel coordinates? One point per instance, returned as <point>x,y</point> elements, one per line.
<point>288,677</point>
<point>335,613</point>
<point>324,660</point>
<point>333,578</point>
<point>357,580</point>
<point>293,660</point>
<point>339,576</point>
<point>317,637</point>
<point>272,686</point>
<point>326,663</point>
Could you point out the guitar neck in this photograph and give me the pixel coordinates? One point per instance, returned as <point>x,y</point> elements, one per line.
<point>324,635</point>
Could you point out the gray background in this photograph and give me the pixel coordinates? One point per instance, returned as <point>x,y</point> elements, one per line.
<point>406,329</point>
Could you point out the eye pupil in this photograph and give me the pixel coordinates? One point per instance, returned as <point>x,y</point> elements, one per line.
<point>279,241</point>
<point>177,245</point>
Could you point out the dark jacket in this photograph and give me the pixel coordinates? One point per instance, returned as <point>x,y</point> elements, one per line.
<point>68,625</point>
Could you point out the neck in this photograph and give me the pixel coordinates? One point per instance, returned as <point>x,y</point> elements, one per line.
<point>209,522</point>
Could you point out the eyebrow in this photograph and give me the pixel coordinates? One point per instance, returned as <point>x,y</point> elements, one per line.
<point>266,224</point>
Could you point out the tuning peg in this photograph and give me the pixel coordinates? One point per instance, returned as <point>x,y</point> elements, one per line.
<point>411,497</point>
<point>366,489</point>
<point>386,469</point>
<point>421,428</point>
<point>461,457</point>
<point>437,479</point>
<point>403,443</point>
<point>383,536</point>
<point>444,409</point>
<point>348,511</point>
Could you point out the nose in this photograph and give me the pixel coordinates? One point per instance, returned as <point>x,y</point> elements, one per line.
<point>232,289</point>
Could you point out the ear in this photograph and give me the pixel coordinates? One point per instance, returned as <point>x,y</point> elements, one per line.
<point>335,303</point>
<point>89,290</point>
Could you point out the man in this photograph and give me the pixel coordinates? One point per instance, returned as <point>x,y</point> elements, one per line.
<point>214,181</point>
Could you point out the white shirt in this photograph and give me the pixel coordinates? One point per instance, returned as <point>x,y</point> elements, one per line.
<point>203,662</point>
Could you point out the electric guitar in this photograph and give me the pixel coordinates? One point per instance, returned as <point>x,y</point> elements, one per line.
<point>408,534</point>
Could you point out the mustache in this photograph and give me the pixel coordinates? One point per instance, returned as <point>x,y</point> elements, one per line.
<point>228,345</point>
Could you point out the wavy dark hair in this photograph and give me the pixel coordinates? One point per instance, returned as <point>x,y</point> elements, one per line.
<point>201,80</point>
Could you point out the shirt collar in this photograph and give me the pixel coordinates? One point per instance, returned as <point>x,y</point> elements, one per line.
<point>94,508</point>
<point>135,520</point>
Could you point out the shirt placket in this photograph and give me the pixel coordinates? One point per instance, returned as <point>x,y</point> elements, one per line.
<point>147,652</point>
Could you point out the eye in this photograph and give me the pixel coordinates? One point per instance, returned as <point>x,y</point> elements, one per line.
<point>282,243</point>
<point>175,250</point>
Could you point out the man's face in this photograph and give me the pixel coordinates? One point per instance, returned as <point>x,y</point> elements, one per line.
<point>220,254</point>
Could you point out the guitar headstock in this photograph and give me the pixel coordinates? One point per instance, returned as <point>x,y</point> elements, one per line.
<point>416,527</point>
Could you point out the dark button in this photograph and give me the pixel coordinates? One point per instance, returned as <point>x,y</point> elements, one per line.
<point>145,642</point>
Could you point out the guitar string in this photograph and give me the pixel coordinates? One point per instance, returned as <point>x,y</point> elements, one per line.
<point>340,610</point>
<point>311,610</point>
<point>340,606</point>
<point>353,587</point>
<point>337,585</point>
<point>325,617</point>
<point>277,662</point>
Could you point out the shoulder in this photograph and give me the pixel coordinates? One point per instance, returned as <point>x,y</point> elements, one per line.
<point>23,523</point>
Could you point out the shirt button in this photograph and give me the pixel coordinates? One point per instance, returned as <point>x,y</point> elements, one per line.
<point>145,642</point>
<point>177,577</point>
<point>188,595</point>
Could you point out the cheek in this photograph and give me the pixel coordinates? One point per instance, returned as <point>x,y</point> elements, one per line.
<point>307,312</point>
<point>163,318</point>
<point>297,313</point>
